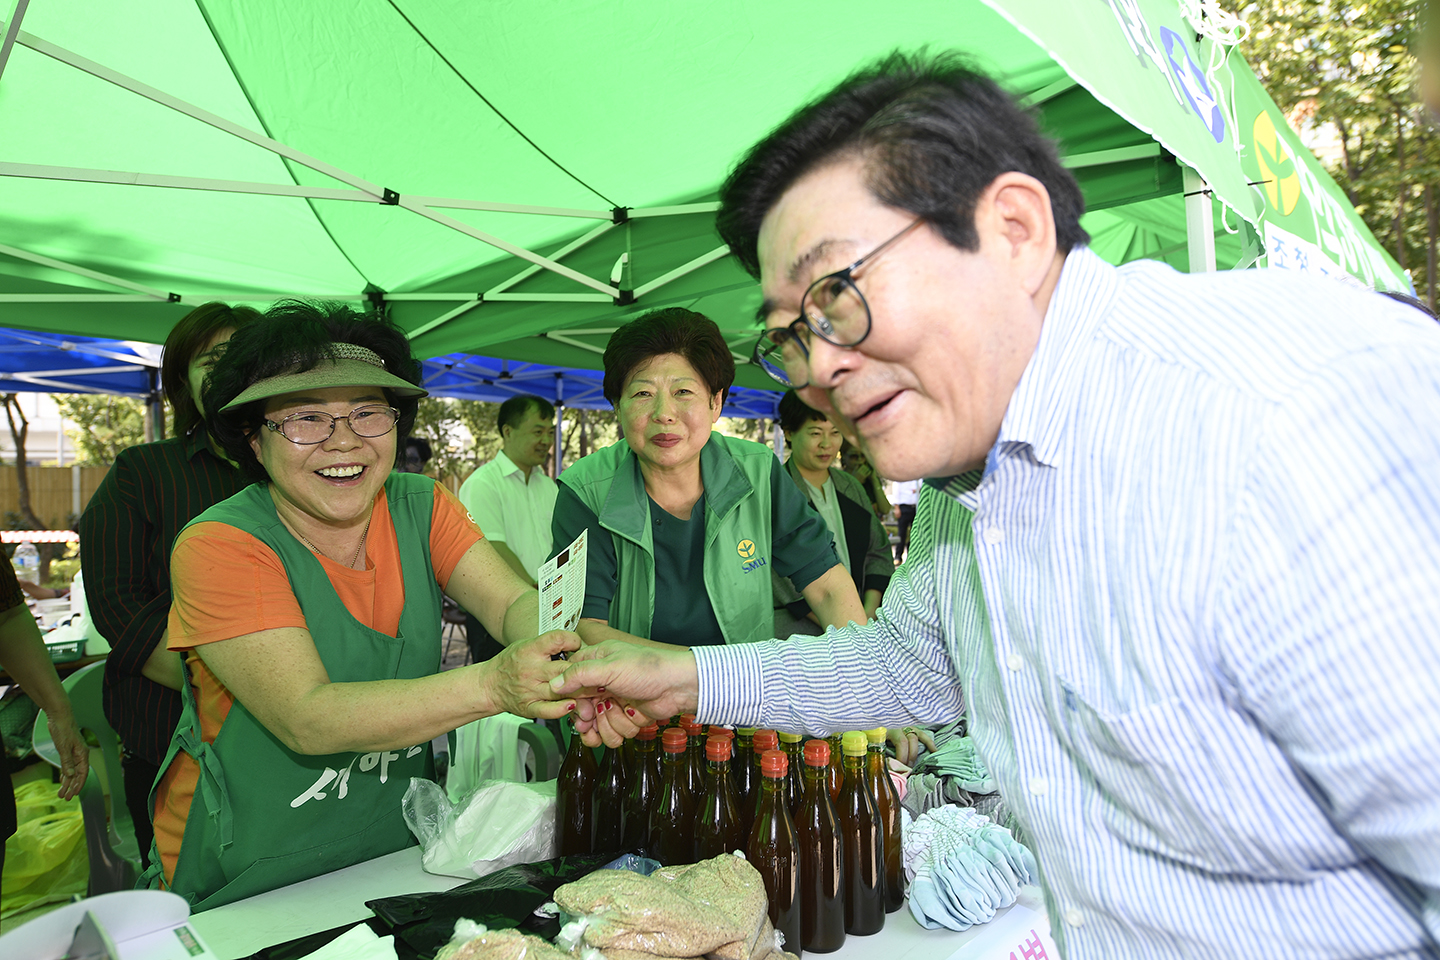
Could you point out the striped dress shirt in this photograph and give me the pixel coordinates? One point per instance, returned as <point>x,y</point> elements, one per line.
<point>126,532</point>
<point>1192,603</point>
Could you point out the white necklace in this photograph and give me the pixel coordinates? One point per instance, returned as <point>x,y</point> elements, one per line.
<point>354,559</point>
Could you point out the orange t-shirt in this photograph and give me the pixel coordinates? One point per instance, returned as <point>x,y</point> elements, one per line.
<point>226,583</point>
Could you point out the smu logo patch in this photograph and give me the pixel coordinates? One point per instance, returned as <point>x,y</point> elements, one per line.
<point>747,551</point>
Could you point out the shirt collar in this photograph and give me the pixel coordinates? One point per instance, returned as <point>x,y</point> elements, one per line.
<point>197,440</point>
<point>1043,399</point>
<point>508,466</point>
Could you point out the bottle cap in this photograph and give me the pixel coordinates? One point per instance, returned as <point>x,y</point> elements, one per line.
<point>692,727</point>
<point>853,743</point>
<point>774,763</point>
<point>875,736</point>
<point>745,731</point>
<point>674,740</point>
<point>725,732</point>
<point>648,733</point>
<point>765,740</point>
<point>791,737</point>
<point>717,748</point>
<point>817,753</point>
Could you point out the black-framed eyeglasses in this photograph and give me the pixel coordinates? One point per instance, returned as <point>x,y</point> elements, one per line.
<point>371,420</point>
<point>832,309</point>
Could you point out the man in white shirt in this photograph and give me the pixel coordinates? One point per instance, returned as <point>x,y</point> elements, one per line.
<point>511,499</point>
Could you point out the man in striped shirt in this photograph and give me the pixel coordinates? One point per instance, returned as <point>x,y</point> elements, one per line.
<point>1177,554</point>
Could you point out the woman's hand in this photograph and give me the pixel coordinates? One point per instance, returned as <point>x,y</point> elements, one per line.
<point>909,742</point>
<point>518,680</point>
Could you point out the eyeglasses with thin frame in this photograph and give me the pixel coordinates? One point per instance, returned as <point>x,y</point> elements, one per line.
<point>832,309</point>
<point>310,427</point>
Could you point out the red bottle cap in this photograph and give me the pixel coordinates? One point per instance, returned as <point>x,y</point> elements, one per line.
<point>717,748</point>
<point>648,733</point>
<point>685,719</point>
<point>766,740</point>
<point>674,740</point>
<point>817,753</point>
<point>692,728</point>
<point>725,732</point>
<point>774,763</point>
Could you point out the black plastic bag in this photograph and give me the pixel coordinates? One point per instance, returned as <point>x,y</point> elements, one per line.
<point>423,922</point>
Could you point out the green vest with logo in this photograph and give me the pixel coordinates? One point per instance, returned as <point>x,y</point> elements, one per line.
<point>736,477</point>
<point>264,816</point>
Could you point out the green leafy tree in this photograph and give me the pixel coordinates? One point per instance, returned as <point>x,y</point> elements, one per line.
<point>102,425</point>
<point>1346,66</point>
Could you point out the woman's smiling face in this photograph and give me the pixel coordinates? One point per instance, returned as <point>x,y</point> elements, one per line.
<point>336,480</point>
<point>667,411</point>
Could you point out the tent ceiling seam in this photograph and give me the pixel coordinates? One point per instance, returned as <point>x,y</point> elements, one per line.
<point>485,100</point>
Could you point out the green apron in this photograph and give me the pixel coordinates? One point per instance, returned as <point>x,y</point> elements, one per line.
<point>264,816</point>
<point>736,477</point>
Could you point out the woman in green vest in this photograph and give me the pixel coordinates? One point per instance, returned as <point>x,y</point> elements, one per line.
<point>842,503</point>
<point>308,610</point>
<point>685,524</point>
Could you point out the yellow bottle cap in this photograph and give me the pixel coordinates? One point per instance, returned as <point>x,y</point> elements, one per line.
<point>875,736</point>
<point>745,731</point>
<point>791,737</point>
<point>854,744</point>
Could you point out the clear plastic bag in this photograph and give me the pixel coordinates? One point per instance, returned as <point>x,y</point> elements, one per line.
<point>500,824</point>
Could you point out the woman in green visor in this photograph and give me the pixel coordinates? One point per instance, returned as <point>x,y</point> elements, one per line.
<point>308,610</point>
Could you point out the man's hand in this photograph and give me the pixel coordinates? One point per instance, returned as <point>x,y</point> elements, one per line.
<point>631,684</point>
<point>74,754</point>
<point>518,680</point>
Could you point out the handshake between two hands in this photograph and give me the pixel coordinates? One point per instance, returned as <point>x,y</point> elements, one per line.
<point>612,688</point>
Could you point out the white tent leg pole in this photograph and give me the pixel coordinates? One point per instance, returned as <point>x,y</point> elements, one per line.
<point>1199,222</point>
<point>12,30</point>
<point>559,423</point>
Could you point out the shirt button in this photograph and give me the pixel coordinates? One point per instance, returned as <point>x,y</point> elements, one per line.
<point>1039,786</point>
<point>1015,662</point>
<point>994,535</point>
<point>1074,917</point>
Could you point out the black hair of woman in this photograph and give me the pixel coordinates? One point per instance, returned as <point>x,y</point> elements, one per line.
<point>195,331</point>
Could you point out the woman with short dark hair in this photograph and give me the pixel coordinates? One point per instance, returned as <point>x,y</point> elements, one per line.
<point>308,609</point>
<point>686,524</point>
<point>148,495</point>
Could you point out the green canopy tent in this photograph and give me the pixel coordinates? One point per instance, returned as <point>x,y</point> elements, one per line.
<point>516,179</point>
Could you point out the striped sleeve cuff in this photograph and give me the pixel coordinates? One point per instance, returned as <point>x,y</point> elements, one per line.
<point>731,680</point>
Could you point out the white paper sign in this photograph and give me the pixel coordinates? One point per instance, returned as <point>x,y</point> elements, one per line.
<point>562,587</point>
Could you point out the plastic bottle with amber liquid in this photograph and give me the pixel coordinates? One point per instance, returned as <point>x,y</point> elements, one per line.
<point>672,818</point>
<point>609,801</point>
<point>822,872</point>
<point>887,808</point>
<point>762,740</point>
<point>717,818</point>
<point>794,746</point>
<point>864,856</point>
<point>574,797</point>
<point>772,851</point>
<point>742,768</point>
<point>837,764</point>
<point>641,788</point>
<point>695,753</point>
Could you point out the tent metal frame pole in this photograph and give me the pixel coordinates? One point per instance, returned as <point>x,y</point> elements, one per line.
<point>58,386</point>
<point>114,281</point>
<point>445,317</point>
<point>1098,158</point>
<point>12,30</point>
<point>42,171</point>
<point>571,341</point>
<point>565,251</point>
<point>705,259</point>
<point>675,210</point>
<point>389,197</point>
<point>1049,92</point>
<point>1199,222</point>
<point>76,298</point>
